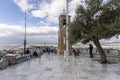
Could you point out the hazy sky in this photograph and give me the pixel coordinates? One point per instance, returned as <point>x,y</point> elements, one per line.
<point>42,20</point>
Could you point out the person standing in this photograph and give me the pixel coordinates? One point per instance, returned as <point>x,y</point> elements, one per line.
<point>90,50</point>
<point>39,52</point>
<point>28,53</point>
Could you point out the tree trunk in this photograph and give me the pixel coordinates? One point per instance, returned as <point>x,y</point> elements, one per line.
<point>103,57</point>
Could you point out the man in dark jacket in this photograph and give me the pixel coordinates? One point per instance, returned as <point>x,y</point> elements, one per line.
<point>90,50</point>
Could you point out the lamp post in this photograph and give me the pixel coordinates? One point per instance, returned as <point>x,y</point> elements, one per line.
<point>67,22</point>
<point>25,34</point>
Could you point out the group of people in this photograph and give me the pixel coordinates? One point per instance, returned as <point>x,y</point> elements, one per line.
<point>39,51</point>
<point>36,53</point>
<point>77,52</point>
<point>50,50</point>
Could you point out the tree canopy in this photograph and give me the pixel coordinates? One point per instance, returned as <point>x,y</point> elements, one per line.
<point>95,19</point>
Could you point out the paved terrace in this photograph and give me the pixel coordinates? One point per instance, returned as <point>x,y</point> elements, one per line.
<point>51,67</point>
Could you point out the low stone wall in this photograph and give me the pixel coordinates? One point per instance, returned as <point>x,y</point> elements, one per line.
<point>11,59</point>
<point>3,63</point>
<point>119,55</point>
<point>15,58</point>
<point>95,51</point>
<point>21,59</point>
<point>110,53</point>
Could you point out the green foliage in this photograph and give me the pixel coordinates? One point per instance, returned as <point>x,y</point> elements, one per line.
<point>1,56</point>
<point>95,20</point>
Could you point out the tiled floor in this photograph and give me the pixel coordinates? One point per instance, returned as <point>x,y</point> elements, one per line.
<point>51,67</point>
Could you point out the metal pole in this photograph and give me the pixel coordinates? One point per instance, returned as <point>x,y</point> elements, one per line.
<point>44,45</point>
<point>67,22</point>
<point>25,34</point>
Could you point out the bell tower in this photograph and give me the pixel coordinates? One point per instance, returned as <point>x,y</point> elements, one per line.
<point>62,33</point>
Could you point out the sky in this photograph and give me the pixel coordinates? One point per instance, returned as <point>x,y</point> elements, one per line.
<point>41,20</point>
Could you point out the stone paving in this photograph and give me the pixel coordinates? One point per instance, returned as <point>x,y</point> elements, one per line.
<point>51,67</point>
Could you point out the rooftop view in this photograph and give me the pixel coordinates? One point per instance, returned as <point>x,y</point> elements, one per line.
<point>59,39</point>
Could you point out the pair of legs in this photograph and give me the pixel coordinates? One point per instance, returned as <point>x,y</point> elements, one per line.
<point>91,54</point>
<point>28,56</point>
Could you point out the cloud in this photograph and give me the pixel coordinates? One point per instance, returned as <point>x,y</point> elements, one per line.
<point>14,34</point>
<point>48,10</point>
<point>24,4</point>
<point>53,9</point>
<point>38,13</point>
<point>72,6</point>
<point>10,30</point>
